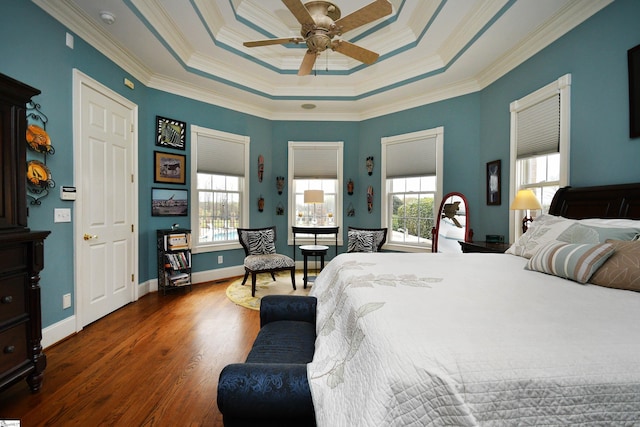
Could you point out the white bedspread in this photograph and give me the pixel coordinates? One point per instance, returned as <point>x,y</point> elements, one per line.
<point>470,339</point>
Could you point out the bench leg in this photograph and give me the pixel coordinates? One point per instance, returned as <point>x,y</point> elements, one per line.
<point>293,278</point>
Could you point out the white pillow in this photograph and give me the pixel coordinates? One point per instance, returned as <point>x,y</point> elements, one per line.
<point>544,229</point>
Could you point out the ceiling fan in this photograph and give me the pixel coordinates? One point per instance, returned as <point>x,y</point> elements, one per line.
<point>321,22</point>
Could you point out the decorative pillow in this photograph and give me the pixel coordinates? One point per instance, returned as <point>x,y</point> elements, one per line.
<point>545,228</point>
<point>569,260</point>
<point>360,241</point>
<point>261,242</point>
<point>579,233</point>
<point>622,269</point>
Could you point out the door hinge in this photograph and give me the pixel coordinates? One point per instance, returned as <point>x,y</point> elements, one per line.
<point>133,277</point>
<point>132,128</point>
<point>132,178</point>
<point>132,228</point>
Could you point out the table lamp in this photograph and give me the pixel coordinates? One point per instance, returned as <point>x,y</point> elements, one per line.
<point>314,197</point>
<point>525,200</point>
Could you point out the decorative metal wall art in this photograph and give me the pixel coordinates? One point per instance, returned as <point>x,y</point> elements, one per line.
<point>370,199</point>
<point>261,204</point>
<point>39,179</point>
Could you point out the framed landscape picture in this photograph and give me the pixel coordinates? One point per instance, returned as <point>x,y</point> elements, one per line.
<point>169,202</point>
<point>169,168</point>
<point>170,133</point>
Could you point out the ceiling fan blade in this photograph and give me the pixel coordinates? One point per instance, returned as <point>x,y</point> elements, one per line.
<point>362,16</point>
<point>355,51</point>
<point>268,42</point>
<point>299,11</point>
<point>307,63</point>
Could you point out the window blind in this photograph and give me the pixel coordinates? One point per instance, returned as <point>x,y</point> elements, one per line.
<point>538,128</point>
<point>219,156</point>
<point>411,158</point>
<point>315,162</point>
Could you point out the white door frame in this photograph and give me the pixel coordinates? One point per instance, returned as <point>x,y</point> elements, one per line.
<point>80,79</point>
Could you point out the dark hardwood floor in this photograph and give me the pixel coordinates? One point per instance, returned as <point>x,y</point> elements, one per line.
<point>154,362</point>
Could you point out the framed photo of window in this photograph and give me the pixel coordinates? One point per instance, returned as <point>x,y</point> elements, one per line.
<point>170,133</point>
<point>169,202</point>
<point>169,168</point>
<point>493,183</point>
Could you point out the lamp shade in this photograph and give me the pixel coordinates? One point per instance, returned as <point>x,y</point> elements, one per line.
<point>525,200</point>
<point>314,196</point>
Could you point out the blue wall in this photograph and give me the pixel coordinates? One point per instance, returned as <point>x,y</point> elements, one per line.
<point>476,130</point>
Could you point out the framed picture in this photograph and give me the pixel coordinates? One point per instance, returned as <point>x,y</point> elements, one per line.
<point>169,202</point>
<point>633,56</point>
<point>170,133</point>
<point>169,168</point>
<point>493,183</point>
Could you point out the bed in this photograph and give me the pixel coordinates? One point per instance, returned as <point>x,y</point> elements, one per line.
<point>488,339</point>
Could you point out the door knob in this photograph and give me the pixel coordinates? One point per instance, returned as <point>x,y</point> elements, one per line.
<point>90,236</point>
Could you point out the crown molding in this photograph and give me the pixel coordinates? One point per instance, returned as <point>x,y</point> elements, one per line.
<point>569,17</point>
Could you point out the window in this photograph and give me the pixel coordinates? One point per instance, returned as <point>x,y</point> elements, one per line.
<point>411,187</point>
<point>315,166</point>
<point>540,144</point>
<point>219,164</point>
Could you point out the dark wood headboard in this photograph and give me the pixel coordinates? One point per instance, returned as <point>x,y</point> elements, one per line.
<point>605,201</point>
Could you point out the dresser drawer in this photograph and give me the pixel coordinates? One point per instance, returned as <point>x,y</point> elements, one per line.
<point>12,297</point>
<point>13,347</point>
<point>13,258</point>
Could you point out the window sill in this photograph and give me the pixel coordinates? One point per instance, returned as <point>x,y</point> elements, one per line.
<point>215,247</point>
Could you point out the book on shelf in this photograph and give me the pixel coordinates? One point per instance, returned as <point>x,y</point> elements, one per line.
<point>178,241</point>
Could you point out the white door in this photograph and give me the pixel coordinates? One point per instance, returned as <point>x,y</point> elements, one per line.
<point>106,209</point>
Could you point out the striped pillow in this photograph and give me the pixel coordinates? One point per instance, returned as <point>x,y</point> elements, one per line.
<point>573,261</point>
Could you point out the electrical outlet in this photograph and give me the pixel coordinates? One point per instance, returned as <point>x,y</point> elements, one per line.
<point>220,259</point>
<point>66,301</point>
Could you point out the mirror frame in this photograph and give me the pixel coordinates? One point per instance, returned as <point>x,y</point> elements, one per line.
<point>468,232</point>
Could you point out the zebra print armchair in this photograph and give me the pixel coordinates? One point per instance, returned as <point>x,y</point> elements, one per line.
<point>366,239</point>
<point>261,257</point>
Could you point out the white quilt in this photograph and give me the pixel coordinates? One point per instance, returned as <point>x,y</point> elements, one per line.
<point>469,340</point>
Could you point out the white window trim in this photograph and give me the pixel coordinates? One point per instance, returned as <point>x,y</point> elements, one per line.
<point>239,139</point>
<point>291,218</point>
<point>563,87</point>
<point>385,221</point>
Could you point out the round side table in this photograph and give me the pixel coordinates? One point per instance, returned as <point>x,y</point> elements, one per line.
<point>312,250</point>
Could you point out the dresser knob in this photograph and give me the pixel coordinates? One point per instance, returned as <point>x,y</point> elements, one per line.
<point>8,299</point>
<point>9,349</point>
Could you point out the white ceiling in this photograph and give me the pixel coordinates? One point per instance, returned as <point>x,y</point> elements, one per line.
<point>429,50</point>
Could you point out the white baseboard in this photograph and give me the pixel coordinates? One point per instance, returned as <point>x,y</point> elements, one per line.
<point>58,331</point>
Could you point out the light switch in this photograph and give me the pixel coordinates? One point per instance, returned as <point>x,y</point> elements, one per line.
<point>62,215</point>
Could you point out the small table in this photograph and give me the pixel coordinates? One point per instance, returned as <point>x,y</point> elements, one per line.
<point>485,247</point>
<point>312,250</point>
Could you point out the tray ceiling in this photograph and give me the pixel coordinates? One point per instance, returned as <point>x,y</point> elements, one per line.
<point>429,50</point>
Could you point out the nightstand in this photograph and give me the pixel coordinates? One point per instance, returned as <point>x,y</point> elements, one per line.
<point>495,248</point>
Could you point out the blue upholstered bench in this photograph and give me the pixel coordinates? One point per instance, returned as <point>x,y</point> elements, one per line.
<point>271,388</point>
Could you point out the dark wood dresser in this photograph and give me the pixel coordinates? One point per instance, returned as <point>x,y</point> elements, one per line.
<point>21,250</point>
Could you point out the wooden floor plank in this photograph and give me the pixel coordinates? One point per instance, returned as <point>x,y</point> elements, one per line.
<point>154,362</point>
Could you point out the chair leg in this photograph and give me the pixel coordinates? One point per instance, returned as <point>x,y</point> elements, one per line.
<point>293,278</point>
<point>253,284</point>
<point>246,274</point>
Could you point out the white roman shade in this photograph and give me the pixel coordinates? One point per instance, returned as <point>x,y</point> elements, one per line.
<point>538,128</point>
<point>411,158</point>
<point>211,161</point>
<point>315,162</point>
